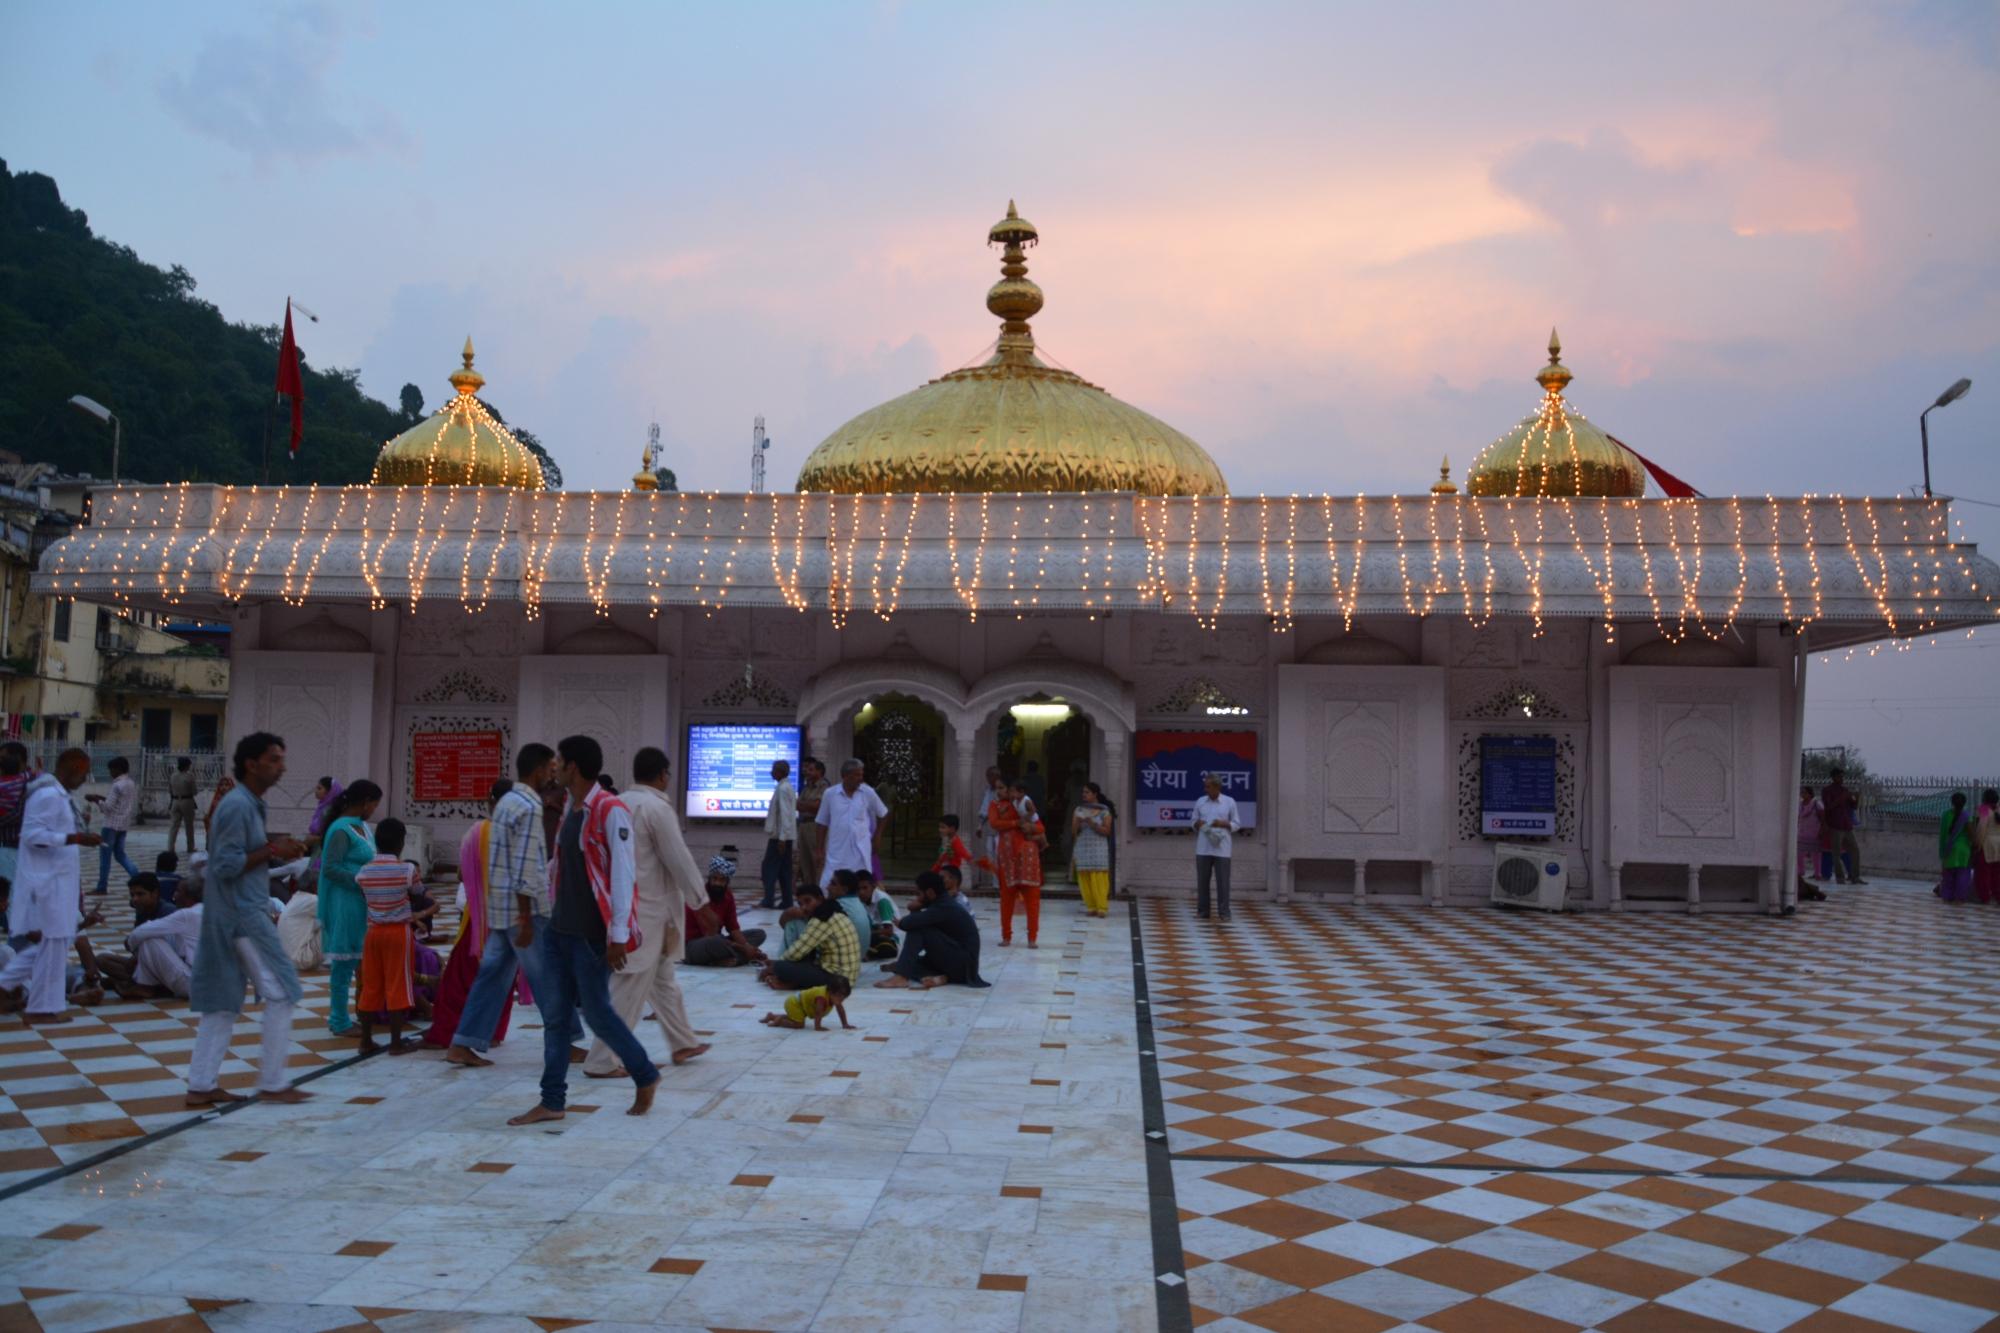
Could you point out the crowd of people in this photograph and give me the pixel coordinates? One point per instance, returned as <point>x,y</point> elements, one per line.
<point>1968,842</point>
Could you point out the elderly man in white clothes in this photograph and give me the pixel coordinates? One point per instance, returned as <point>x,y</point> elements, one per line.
<point>667,884</point>
<point>48,887</point>
<point>1215,822</point>
<point>854,817</point>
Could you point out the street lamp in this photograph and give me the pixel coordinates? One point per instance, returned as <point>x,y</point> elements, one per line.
<point>1945,399</point>
<point>90,407</point>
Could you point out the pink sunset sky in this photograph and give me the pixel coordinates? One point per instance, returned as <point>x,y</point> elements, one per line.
<point>1326,241</point>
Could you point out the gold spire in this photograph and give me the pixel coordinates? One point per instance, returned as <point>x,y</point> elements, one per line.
<point>1015,299</point>
<point>467,380</point>
<point>1555,375</point>
<point>1444,485</point>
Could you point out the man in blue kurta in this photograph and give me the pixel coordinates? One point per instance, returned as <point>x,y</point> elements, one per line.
<point>239,942</point>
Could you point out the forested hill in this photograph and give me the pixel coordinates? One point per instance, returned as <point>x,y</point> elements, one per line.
<point>83,315</point>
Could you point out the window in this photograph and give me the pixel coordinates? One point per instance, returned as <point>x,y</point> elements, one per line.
<point>204,729</point>
<point>61,628</point>
<point>156,729</point>
<point>59,729</point>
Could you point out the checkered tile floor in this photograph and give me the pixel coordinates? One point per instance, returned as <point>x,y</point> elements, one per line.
<point>1388,1118</point>
<point>118,1071</point>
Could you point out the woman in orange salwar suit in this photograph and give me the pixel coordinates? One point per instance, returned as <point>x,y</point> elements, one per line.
<point>1019,863</point>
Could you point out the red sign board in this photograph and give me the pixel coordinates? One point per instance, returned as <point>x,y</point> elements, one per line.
<point>453,765</point>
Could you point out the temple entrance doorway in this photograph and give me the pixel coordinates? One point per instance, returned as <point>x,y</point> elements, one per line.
<point>900,742</point>
<point>1045,744</point>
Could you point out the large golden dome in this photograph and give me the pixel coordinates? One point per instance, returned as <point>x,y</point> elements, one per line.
<point>1014,423</point>
<point>1555,451</point>
<point>460,444</point>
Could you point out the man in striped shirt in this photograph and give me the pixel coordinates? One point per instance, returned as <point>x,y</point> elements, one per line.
<point>517,911</point>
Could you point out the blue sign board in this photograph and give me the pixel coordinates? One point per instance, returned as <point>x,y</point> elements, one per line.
<point>729,769</point>
<point>1170,766</point>
<point>1517,786</point>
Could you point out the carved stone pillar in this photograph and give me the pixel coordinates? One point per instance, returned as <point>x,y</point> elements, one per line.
<point>1617,895</point>
<point>1694,888</point>
<point>1360,881</point>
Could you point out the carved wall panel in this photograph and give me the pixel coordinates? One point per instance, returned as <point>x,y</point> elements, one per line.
<point>621,702</point>
<point>1360,758</point>
<point>1700,778</point>
<point>321,704</point>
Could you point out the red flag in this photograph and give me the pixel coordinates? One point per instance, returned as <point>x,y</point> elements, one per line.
<point>1668,482</point>
<point>290,382</point>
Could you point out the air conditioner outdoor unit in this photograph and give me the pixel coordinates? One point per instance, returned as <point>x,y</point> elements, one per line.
<point>1529,877</point>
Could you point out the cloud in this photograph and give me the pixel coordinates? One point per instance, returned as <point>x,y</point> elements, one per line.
<point>268,94</point>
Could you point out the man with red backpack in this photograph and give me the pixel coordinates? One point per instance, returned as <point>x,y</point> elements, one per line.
<point>593,922</point>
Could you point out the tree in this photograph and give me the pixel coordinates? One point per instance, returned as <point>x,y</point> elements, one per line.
<point>552,478</point>
<point>413,404</point>
<point>665,476</point>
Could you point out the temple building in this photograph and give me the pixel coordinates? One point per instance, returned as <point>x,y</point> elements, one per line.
<point>1009,565</point>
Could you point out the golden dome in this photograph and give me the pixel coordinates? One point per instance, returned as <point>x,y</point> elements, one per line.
<point>1014,423</point>
<point>1556,451</point>
<point>460,444</point>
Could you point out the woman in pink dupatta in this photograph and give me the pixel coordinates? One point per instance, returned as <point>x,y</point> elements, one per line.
<point>463,965</point>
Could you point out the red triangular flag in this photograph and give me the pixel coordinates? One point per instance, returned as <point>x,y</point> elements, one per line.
<point>1672,485</point>
<point>290,382</point>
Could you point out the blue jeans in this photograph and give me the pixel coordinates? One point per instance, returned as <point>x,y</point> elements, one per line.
<point>579,978</point>
<point>493,988</point>
<point>113,845</point>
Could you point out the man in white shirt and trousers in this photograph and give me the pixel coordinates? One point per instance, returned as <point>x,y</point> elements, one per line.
<point>163,949</point>
<point>118,807</point>
<point>1214,821</point>
<point>667,884</point>
<point>781,831</point>
<point>48,889</point>
<point>853,816</point>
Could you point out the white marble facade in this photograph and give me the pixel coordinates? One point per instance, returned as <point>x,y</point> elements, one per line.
<point>1367,734</point>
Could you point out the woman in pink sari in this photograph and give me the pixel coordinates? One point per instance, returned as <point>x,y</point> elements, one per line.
<point>463,965</point>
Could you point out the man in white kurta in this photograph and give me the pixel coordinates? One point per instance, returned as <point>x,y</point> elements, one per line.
<point>852,814</point>
<point>163,949</point>
<point>49,882</point>
<point>666,885</point>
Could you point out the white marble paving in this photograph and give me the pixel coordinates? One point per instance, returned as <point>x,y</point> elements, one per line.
<point>884,1212</point>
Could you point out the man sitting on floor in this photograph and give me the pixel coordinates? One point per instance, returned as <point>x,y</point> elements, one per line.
<point>714,939</point>
<point>940,941</point>
<point>162,947</point>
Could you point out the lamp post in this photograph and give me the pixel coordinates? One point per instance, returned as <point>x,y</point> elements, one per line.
<point>90,407</point>
<point>1945,399</point>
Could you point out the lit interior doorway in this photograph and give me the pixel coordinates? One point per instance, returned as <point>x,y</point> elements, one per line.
<point>1044,743</point>
<point>901,744</point>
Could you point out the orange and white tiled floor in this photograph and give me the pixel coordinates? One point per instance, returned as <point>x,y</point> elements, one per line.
<point>1407,1119</point>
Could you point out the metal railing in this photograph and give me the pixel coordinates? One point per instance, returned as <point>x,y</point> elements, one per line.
<point>150,767</point>
<point>1909,804</point>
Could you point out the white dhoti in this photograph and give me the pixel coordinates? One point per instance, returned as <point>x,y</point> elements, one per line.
<point>211,1035</point>
<point>47,993</point>
<point>157,963</point>
<point>648,977</point>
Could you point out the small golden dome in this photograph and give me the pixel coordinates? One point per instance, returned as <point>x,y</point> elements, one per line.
<point>1556,451</point>
<point>1013,423</point>
<point>1444,485</point>
<point>460,444</point>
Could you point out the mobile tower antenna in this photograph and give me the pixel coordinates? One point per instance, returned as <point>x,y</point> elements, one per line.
<point>759,444</point>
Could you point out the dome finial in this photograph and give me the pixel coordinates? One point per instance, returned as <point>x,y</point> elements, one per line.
<point>467,380</point>
<point>1444,485</point>
<point>1014,298</point>
<point>1555,374</point>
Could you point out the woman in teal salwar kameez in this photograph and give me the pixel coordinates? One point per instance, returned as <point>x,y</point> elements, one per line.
<point>343,912</point>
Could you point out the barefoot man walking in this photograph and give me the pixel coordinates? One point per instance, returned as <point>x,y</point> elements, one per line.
<point>239,942</point>
<point>591,924</point>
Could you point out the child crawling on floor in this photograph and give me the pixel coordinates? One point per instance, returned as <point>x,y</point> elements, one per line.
<point>814,1004</point>
<point>388,993</point>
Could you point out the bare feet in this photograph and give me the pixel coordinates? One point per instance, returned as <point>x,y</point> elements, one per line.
<point>616,1071</point>
<point>402,1046</point>
<point>465,1055</point>
<point>893,983</point>
<point>45,1020</point>
<point>933,982</point>
<point>1006,942</point>
<point>10,1000</point>
<point>642,1100</point>
<point>536,1116</point>
<point>286,1096</point>
<point>86,998</point>
<point>213,1097</point>
<point>683,1056</point>
<point>369,1048</point>
<point>578,1054</point>
<point>1033,945</point>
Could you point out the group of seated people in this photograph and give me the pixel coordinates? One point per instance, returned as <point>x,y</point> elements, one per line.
<point>826,934</point>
